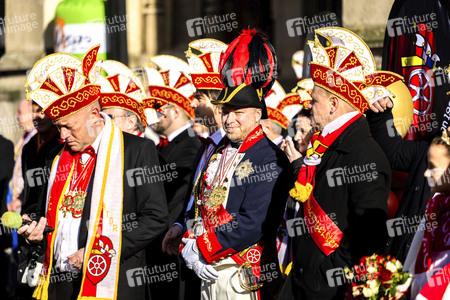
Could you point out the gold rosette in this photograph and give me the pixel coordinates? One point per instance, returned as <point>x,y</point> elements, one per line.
<point>301,192</point>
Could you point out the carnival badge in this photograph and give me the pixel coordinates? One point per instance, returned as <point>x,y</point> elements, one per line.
<point>244,169</point>
<point>100,259</point>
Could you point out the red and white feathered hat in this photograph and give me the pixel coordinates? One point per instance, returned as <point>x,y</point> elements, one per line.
<point>204,66</point>
<point>346,68</point>
<point>62,84</point>
<point>122,89</point>
<point>169,82</point>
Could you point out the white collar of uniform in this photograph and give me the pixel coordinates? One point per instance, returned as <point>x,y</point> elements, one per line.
<point>278,140</point>
<point>336,124</point>
<point>174,134</point>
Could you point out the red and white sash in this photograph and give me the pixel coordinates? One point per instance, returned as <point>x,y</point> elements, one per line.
<point>322,229</point>
<point>102,254</point>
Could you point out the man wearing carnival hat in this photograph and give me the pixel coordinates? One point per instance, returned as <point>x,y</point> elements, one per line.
<point>277,122</point>
<point>203,57</point>
<point>204,70</point>
<point>97,198</point>
<point>240,192</point>
<point>171,92</point>
<point>343,184</point>
<point>122,96</point>
<point>274,125</point>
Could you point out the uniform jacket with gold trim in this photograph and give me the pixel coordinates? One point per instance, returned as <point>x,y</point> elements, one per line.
<point>255,202</point>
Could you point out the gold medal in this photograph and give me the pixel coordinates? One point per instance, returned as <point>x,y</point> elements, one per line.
<point>67,201</point>
<point>217,197</point>
<point>78,204</point>
<point>73,204</point>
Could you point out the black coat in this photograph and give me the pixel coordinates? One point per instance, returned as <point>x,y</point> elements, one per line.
<point>147,202</point>
<point>187,197</point>
<point>6,171</point>
<point>405,156</point>
<point>359,209</point>
<point>181,151</point>
<point>180,154</point>
<point>32,158</point>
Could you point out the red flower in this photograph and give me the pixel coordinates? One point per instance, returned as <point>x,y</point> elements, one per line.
<point>384,275</point>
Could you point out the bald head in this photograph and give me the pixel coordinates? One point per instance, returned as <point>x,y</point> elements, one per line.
<point>327,107</point>
<point>82,128</point>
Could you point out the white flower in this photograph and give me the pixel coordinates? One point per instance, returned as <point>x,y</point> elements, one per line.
<point>391,267</point>
<point>398,264</point>
<point>371,269</point>
<point>367,292</point>
<point>372,290</point>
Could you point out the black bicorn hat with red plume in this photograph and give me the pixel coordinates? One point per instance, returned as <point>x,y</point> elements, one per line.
<point>249,59</point>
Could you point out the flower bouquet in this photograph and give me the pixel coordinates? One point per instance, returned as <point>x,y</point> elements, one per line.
<point>376,277</point>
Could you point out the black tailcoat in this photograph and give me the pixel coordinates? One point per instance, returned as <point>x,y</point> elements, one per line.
<point>359,209</point>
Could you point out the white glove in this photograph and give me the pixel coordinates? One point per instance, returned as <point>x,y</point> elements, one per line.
<point>205,271</point>
<point>190,253</point>
<point>196,262</point>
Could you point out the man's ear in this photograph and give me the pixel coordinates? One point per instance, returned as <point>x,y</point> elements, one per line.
<point>94,111</point>
<point>266,126</point>
<point>334,103</point>
<point>177,111</point>
<point>258,114</point>
<point>133,119</point>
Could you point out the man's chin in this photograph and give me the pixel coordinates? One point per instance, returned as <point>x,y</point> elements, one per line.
<point>74,147</point>
<point>234,136</point>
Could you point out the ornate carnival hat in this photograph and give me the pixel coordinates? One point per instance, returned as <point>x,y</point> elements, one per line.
<point>122,89</point>
<point>273,98</point>
<point>169,82</point>
<point>275,95</point>
<point>204,67</point>
<point>278,117</point>
<point>346,68</point>
<point>243,95</point>
<point>298,99</point>
<point>62,84</point>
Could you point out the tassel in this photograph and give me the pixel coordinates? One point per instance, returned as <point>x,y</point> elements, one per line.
<point>301,192</point>
<point>41,290</point>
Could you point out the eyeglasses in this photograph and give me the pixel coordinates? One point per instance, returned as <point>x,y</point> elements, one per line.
<point>165,107</point>
<point>115,117</point>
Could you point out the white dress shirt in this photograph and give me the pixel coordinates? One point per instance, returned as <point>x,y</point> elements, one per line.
<point>66,240</point>
<point>174,134</point>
